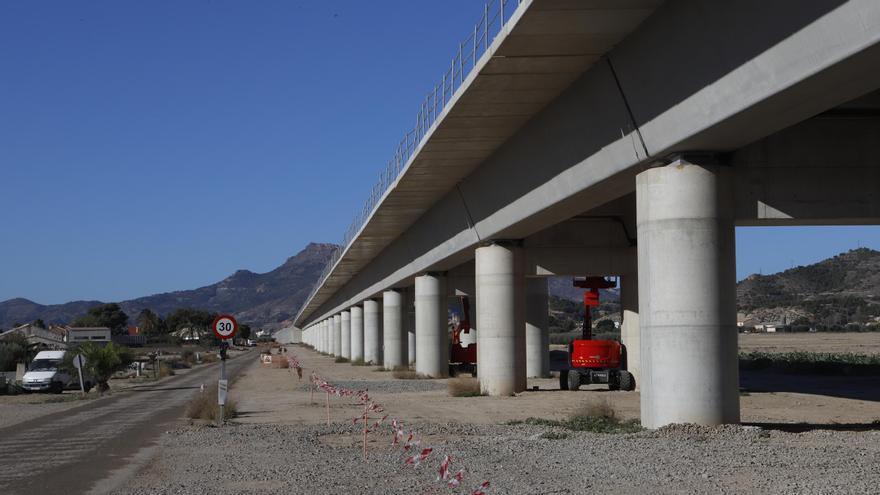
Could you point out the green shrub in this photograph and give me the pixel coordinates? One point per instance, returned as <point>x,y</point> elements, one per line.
<point>847,364</point>
<point>596,418</point>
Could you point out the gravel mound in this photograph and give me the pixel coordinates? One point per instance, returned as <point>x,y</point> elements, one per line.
<point>515,459</point>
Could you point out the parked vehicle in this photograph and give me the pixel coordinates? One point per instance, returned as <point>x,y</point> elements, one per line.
<point>45,374</point>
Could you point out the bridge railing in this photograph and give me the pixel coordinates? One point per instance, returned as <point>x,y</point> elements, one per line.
<point>496,13</point>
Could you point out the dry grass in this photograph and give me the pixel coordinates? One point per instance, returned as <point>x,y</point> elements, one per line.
<point>165,370</point>
<point>594,417</point>
<point>340,359</point>
<point>358,362</point>
<point>204,406</point>
<point>209,358</point>
<point>463,387</point>
<point>404,373</point>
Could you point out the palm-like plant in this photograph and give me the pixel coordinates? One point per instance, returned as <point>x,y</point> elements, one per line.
<point>101,361</point>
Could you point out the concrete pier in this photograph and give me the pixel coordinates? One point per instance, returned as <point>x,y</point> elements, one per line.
<point>337,335</point>
<point>537,328</point>
<point>410,323</point>
<point>372,332</point>
<point>501,346</point>
<point>394,335</point>
<point>357,333</point>
<point>687,294</point>
<point>629,327</point>
<point>345,320</point>
<point>432,344</point>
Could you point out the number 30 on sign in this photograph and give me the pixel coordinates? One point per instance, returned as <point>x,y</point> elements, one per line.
<point>225,327</point>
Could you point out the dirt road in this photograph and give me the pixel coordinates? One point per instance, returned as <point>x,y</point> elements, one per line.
<point>72,450</point>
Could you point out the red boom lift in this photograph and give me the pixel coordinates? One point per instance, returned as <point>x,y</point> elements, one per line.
<point>463,351</point>
<point>595,361</point>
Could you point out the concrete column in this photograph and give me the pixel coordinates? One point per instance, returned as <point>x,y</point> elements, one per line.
<point>331,337</point>
<point>372,332</point>
<point>357,333</point>
<point>687,295</point>
<point>629,326</point>
<point>323,345</point>
<point>345,321</point>
<point>432,346</point>
<point>501,343</point>
<point>337,335</point>
<point>326,331</point>
<point>537,328</point>
<point>395,351</point>
<point>410,316</point>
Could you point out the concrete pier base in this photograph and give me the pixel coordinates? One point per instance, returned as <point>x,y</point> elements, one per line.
<point>432,346</point>
<point>345,320</point>
<point>372,332</point>
<point>500,295</point>
<point>687,295</point>
<point>394,335</point>
<point>537,328</point>
<point>357,333</point>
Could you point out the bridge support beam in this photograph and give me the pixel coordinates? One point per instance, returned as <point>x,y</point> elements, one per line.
<point>395,351</point>
<point>537,328</point>
<point>336,335</point>
<point>629,326</point>
<point>501,343</point>
<point>323,345</point>
<point>432,346</point>
<point>357,333</point>
<point>345,319</point>
<point>687,294</point>
<point>372,332</point>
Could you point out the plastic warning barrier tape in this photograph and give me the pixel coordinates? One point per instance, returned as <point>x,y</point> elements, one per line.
<point>411,444</point>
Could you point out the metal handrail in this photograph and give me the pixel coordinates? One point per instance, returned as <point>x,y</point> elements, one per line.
<point>495,14</point>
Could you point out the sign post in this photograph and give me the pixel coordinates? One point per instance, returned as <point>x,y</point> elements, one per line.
<point>224,328</point>
<point>78,362</point>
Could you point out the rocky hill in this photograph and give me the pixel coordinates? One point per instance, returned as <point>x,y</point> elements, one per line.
<point>260,299</point>
<point>839,290</point>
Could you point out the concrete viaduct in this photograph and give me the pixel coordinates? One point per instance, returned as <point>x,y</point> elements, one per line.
<point>610,137</point>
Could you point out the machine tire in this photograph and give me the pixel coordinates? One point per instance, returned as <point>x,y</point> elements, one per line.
<point>563,380</point>
<point>574,381</point>
<point>56,388</point>
<point>87,386</point>
<point>627,381</point>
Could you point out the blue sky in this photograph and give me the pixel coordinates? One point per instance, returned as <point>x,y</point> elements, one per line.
<point>156,146</point>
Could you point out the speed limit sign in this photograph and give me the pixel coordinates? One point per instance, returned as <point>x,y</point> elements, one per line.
<point>225,327</point>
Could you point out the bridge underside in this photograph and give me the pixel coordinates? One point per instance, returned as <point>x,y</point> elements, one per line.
<point>641,168</point>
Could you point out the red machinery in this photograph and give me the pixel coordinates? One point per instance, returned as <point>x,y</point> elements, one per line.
<point>463,351</point>
<point>595,361</point>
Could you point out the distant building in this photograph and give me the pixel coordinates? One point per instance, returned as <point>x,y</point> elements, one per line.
<point>81,335</point>
<point>133,331</point>
<point>39,337</point>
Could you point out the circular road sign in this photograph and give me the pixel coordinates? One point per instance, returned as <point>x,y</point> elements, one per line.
<point>79,361</point>
<point>225,327</point>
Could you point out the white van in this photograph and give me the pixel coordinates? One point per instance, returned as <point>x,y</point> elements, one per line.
<point>46,375</point>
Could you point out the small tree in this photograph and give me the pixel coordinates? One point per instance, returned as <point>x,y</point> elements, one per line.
<point>105,315</point>
<point>101,361</point>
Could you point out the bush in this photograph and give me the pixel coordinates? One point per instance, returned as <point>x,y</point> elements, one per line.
<point>165,370</point>
<point>358,362</point>
<point>204,406</point>
<point>463,387</point>
<point>596,418</point>
<point>846,364</point>
<point>209,358</point>
<point>404,373</point>
<point>340,359</point>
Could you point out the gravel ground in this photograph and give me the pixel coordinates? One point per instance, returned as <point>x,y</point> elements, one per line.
<point>515,459</point>
<point>387,386</point>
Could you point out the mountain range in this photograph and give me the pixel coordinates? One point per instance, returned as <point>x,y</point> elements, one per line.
<point>835,291</point>
<point>260,299</point>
